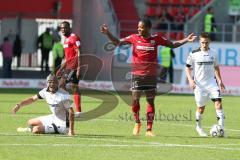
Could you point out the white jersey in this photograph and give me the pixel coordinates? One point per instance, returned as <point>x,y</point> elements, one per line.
<point>58,102</point>
<point>203,64</point>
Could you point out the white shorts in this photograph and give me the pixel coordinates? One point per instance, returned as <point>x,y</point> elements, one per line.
<point>52,124</point>
<point>203,96</point>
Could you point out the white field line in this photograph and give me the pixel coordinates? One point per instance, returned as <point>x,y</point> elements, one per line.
<point>125,145</point>
<point>189,125</point>
<point>113,140</point>
<point>125,141</point>
<point>132,144</point>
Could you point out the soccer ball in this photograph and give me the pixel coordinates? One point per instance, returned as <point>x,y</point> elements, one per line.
<point>217,131</point>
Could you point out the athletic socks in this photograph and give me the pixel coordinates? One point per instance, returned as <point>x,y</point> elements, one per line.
<point>150,116</point>
<point>77,101</point>
<point>198,119</point>
<point>135,110</point>
<point>220,117</point>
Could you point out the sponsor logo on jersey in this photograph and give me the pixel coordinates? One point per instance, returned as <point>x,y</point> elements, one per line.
<point>205,63</point>
<point>152,41</point>
<point>145,48</point>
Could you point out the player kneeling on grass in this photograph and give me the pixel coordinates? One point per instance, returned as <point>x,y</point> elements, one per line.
<point>207,82</point>
<point>61,121</point>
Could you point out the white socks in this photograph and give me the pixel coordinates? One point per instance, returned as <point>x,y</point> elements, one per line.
<point>220,117</point>
<point>198,119</point>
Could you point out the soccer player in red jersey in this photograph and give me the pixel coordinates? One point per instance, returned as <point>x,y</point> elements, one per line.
<point>71,68</point>
<point>144,67</point>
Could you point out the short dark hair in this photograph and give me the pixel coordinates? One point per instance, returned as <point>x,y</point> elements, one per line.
<point>205,35</point>
<point>66,23</point>
<point>210,9</point>
<point>146,22</point>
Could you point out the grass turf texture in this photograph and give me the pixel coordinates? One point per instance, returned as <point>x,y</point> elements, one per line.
<point>110,136</point>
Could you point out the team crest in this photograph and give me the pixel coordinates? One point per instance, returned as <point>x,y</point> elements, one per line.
<point>152,41</point>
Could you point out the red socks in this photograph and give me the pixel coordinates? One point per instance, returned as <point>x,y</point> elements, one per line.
<point>77,101</point>
<point>135,110</point>
<point>150,116</point>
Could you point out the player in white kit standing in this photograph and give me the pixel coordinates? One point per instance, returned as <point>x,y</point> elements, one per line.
<point>207,82</point>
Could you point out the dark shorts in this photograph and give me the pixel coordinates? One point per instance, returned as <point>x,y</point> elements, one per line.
<point>143,82</point>
<point>71,76</point>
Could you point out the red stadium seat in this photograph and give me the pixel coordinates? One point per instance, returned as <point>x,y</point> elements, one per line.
<point>151,11</point>
<point>197,2</point>
<point>165,2</point>
<point>186,10</point>
<point>187,2</point>
<point>172,35</point>
<point>176,2</point>
<point>173,10</point>
<point>180,35</point>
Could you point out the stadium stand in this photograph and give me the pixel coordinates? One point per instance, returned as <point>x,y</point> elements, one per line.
<point>126,13</point>
<point>179,10</point>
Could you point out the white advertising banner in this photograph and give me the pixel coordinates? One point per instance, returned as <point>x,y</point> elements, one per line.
<point>100,85</point>
<point>228,54</point>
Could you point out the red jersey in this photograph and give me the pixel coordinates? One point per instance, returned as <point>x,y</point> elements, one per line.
<point>71,43</point>
<point>145,61</point>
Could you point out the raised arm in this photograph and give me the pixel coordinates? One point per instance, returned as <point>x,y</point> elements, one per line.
<point>24,103</point>
<point>190,38</point>
<point>104,29</point>
<point>219,78</point>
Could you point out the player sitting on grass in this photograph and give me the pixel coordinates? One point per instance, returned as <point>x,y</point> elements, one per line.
<point>61,121</point>
<point>207,82</point>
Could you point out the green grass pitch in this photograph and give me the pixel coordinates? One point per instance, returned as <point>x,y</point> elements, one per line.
<point>109,137</point>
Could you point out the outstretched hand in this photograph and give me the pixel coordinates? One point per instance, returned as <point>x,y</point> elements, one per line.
<point>192,84</point>
<point>222,87</point>
<point>16,108</point>
<point>191,37</point>
<point>104,29</point>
